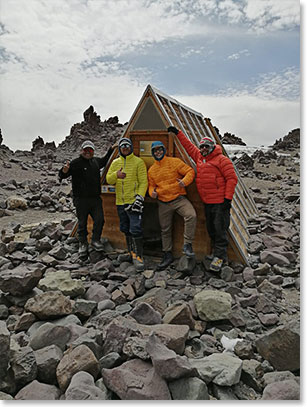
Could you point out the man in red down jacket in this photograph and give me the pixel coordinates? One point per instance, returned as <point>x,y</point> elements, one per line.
<point>216,180</point>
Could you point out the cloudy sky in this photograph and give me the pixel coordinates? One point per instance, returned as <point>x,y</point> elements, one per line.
<point>235,61</point>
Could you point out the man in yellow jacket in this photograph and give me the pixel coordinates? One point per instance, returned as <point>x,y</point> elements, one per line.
<point>167,178</point>
<point>129,175</point>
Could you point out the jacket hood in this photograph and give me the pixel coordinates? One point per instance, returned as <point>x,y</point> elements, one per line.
<point>156,144</point>
<point>124,140</point>
<point>217,150</point>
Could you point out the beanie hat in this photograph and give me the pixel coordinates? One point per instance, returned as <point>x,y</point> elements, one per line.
<point>208,142</point>
<point>87,144</point>
<point>156,144</point>
<point>122,142</point>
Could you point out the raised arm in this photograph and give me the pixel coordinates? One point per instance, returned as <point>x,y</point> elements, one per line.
<point>190,148</point>
<point>65,171</point>
<point>104,160</point>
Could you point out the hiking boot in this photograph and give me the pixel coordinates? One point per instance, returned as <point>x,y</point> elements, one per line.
<point>138,262</point>
<point>166,261</point>
<point>83,249</point>
<point>127,256</point>
<point>97,245</point>
<point>188,250</point>
<point>216,264</point>
<point>137,254</point>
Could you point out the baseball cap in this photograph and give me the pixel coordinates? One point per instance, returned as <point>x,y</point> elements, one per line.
<point>87,144</point>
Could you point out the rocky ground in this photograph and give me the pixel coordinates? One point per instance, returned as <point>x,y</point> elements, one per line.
<point>101,331</point>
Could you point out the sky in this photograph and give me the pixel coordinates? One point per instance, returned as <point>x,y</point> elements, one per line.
<point>235,61</point>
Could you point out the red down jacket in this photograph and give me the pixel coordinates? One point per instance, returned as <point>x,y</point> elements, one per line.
<point>216,178</point>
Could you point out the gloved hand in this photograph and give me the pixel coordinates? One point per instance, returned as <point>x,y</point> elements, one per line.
<point>227,203</point>
<point>137,205</point>
<point>173,130</point>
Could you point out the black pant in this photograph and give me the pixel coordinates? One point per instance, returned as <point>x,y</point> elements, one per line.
<point>85,207</point>
<point>217,221</point>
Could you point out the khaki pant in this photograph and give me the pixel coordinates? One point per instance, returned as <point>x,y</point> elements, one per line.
<point>184,208</point>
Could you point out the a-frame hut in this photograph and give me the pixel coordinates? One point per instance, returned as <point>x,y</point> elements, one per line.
<point>149,122</point>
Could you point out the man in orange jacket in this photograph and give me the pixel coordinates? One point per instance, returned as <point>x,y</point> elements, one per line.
<point>216,181</point>
<point>167,179</point>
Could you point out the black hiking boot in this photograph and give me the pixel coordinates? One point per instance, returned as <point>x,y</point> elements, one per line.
<point>127,256</point>
<point>97,245</point>
<point>166,261</point>
<point>83,249</point>
<point>188,250</point>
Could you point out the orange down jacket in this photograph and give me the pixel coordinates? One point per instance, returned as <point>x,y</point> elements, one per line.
<point>162,176</point>
<point>216,178</point>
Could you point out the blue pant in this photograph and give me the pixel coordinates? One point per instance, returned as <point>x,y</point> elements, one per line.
<point>130,222</point>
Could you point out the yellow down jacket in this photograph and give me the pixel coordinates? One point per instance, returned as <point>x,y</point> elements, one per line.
<point>135,182</point>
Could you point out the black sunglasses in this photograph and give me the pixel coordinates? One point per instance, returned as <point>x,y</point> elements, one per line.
<point>206,145</point>
<point>158,149</point>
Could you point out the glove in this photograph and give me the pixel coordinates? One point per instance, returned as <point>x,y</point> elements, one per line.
<point>137,205</point>
<point>173,130</point>
<point>227,203</point>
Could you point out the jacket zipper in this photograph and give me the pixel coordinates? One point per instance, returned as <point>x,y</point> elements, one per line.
<point>123,182</point>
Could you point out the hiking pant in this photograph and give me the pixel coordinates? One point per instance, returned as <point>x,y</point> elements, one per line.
<point>130,222</point>
<point>217,221</point>
<point>89,206</point>
<point>184,208</point>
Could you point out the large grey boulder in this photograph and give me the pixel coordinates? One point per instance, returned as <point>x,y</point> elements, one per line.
<point>213,305</point>
<point>84,308</point>
<point>136,380</point>
<point>50,334</point>
<point>97,292</point>
<point>284,390</point>
<point>272,377</point>
<point>145,314</point>
<point>156,297</point>
<point>38,391</point>
<point>4,348</point>
<point>5,396</point>
<point>82,387</point>
<point>61,281</point>
<point>189,388</point>
<point>220,368</point>
<point>281,347</point>
<point>20,280</point>
<point>47,360</point>
<point>271,257</point>
<point>166,362</point>
<point>52,304</point>
<point>23,365</point>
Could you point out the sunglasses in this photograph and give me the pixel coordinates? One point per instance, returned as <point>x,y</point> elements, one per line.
<point>125,145</point>
<point>88,149</point>
<point>206,145</point>
<point>158,150</point>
